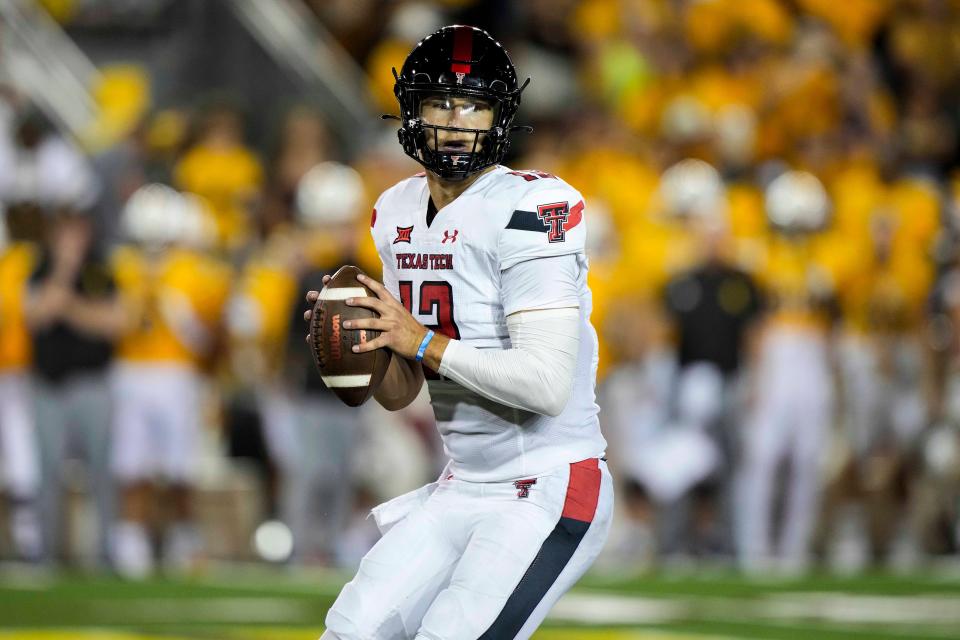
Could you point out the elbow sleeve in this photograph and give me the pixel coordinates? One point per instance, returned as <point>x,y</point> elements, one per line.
<point>535,374</point>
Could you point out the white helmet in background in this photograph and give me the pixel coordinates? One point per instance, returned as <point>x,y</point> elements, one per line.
<point>329,193</point>
<point>797,202</point>
<point>197,229</point>
<point>693,189</point>
<point>685,118</point>
<point>153,215</point>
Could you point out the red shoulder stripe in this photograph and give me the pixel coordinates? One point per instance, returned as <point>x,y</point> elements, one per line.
<point>576,215</point>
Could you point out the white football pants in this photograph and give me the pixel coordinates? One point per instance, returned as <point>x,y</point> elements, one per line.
<point>788,425</point>
<point>19,458</point>
<point>476,560</point>
<point>157,422</point>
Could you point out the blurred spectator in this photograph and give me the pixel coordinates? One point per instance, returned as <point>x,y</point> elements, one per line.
<point>174,294</point>
<point>304,143</point>
<point>43,172</point>
<point>791,403</point>
<point>635,397</point>
<point>883,370</point>
<point>221,169</point>
<point>328,202</point>
<point>711,309</point>
<point>74,316</point>
<point>122,169</point>
<point>20,459</point>
<point>309,433</point>
<point>356,24</point>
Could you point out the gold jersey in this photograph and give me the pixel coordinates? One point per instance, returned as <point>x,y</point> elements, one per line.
<point>268,292</point>
<point>169,296</point>
<point>227,179</point>
<point>16,265</point>
<point>800,280</point>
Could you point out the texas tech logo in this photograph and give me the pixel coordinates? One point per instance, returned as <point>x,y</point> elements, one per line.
<point>555,217</point>
<point>403,234</point>
<point>523,487</point>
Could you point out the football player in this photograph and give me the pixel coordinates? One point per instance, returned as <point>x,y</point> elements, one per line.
<point>792,395</point>
<point>309,434</point>
<point>174,295</point>
<point>485,296</point>
<point>18,441</point>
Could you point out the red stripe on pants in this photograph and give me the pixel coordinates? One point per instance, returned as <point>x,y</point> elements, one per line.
<point>583,491</point>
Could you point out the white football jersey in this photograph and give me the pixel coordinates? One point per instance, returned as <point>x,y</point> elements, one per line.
<point>448,275</point>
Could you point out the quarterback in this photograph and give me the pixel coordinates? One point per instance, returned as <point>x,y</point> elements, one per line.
<point>484,296</point>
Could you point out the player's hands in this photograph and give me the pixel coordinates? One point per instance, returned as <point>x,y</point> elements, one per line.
<point>400,331</point>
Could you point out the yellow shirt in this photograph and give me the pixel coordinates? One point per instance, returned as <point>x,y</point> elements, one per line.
<point>268,292</point>
<point>916,203</point>
<point>887,295</point>
<point>856,191</point>
<point>178,286</point>
<point>16,265</point>
<point>799,280</point>
<point>227,179</point>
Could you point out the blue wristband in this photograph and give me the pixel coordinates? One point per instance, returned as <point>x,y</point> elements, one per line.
<point>423,345</point>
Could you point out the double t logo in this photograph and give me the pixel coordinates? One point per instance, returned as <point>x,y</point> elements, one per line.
<point>555,215</point>
<point>523,487</point>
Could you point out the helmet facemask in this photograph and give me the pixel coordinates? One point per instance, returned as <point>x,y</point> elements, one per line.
<point>455,152</point>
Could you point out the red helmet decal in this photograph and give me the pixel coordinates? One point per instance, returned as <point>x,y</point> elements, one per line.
<point>462,50</point>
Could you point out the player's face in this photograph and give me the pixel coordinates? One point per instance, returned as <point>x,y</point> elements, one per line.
<point>463,112</point>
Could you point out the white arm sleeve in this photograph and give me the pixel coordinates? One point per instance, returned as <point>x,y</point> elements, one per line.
<point>536,374</point>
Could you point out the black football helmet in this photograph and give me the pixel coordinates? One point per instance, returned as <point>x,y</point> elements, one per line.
<point>457,61</point>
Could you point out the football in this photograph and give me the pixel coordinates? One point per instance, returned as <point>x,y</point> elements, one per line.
<point>353,377</point>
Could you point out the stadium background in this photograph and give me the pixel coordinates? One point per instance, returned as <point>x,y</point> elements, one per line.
<point>235,101</point>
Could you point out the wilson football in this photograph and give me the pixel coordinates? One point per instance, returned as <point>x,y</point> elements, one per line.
<point>353,377</point>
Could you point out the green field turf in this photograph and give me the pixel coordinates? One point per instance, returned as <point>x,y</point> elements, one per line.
<point>258,604</point>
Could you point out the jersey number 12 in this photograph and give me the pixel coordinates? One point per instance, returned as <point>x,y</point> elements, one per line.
<point>436,296</point>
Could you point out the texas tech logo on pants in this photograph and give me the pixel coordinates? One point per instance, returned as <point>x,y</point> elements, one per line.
<point>523,487</point>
